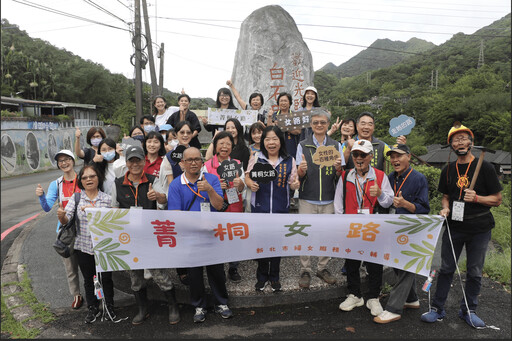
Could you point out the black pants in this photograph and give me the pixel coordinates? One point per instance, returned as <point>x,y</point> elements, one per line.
<point>268,269</point>
<point>217,281</point>
<point>354,279</point>
<point>88,269</point>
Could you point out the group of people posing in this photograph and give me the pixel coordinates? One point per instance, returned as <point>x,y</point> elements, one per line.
<point>151,177</point>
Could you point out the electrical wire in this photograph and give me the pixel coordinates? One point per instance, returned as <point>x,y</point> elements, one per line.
<point>104,10</point>
<point>69,15</point>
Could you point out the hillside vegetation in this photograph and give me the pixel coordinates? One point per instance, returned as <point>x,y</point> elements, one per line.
<point>479,97</point>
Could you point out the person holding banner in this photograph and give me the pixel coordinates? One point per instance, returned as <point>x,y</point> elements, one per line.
<point>222,145</point>
<point>359,191</point>
<point>255,102</point>
<point>273,196</point>
<point>317,184</point>
<point>135,190</point>
<point>411,196</point>
<point>224,101</point>
<point>184,114</point>
<point>90,180</point>
<point>469,223</point>
<point>309,101</point>
<point>196,190</point>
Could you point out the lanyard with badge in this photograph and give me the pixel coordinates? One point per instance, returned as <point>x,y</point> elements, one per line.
<point>462,182</point>
<point>392,209</point>
<point>360,189</point>
<point>205,205</point>
<point>66,198</point>
<point>136,194</point>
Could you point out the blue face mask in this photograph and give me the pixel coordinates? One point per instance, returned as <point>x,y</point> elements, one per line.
<point>109,156</point>
<point>138,137</point>
<point>149,128</point>
<point>95,142</point>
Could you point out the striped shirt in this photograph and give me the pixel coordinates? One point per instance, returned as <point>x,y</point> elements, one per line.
<point>83,241</point>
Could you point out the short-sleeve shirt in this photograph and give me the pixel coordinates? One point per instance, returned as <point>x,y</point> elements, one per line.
<point>477,217</point>
<point>181,193</point>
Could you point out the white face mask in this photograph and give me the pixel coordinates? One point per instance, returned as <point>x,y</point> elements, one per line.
<point>95,142</point>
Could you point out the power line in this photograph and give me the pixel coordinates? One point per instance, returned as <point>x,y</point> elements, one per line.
<point>95,5</point>
<point>367,47</point>
<point>125,5</point>
<point>392,12</point>
<point>69,15</point>
<point>420,7</point>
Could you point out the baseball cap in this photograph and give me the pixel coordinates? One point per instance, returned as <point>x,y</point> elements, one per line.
<point>164,127</point>
<point>400,149</point>
<point>363,145</point>
<point>65,152</point>
<point>135,151</point>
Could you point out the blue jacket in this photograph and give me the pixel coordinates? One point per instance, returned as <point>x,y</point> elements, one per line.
<point>414,190</point>
<point>274,197</point>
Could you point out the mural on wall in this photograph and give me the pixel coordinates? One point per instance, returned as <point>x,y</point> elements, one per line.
<point>8,154</point>
<point>25,151</point>
<point>32,151</point>
<point>52,149</point>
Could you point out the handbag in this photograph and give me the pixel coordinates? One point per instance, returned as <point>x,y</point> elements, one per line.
<point>65,243</point>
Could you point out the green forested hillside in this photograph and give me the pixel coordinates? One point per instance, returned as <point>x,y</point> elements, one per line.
<point>37,70</point>
<point>381,54</point>
<point>479,97</point>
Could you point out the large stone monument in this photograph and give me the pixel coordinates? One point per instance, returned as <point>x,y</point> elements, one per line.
<point>272,57</point>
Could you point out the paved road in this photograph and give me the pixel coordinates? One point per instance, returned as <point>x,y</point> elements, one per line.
<point>20,202</point>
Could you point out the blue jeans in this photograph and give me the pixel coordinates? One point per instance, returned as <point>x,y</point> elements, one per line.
<point>476,248</point>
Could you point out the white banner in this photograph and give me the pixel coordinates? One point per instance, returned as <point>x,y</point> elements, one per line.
<point>220,116</point>
<point>127,239</point>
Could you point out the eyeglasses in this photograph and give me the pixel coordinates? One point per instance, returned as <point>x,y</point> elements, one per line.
<point>359,154</point>
<point>89,177</point>
<point>460,140</point>
<point>319,123</point>
<point>191,161</point>
<point>61,161</point>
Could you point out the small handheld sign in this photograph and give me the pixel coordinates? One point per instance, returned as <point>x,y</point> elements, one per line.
<point>177,153</point>
<point>229,169</point>
<point>401,125</point>
<point>263,173</point>
<point>325,156</point>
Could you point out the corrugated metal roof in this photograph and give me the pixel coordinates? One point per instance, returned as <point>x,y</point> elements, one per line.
<point>17,101</point>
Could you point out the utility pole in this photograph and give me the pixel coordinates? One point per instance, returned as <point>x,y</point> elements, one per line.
<point>432,79</point>
<point>161,77</point>
<point>436,77</point>
<point>154,85</point>
<point>368,77</point>
<point>481,56</point>
<point>138,70</point>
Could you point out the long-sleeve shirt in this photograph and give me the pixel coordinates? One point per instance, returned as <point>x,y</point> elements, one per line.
<point>414,188</point>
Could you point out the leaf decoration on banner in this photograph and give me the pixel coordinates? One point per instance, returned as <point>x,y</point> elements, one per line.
<point>109,222</point>
<point>412,225</point>
<point>105,252</point>
<point>423,255</point>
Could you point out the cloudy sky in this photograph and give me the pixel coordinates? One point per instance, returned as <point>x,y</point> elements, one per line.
<point>200,36</point>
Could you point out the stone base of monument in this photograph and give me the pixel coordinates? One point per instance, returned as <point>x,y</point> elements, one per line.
<point>244,295</point>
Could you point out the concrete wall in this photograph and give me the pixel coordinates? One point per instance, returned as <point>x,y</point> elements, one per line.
<point>27,151</point>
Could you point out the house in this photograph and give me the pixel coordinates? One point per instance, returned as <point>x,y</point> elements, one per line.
<point>439,155</point>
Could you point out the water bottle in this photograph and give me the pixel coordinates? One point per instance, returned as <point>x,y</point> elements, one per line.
<point>98,290</point>
<point>428,281</point>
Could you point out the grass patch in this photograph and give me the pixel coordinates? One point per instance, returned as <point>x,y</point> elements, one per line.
<point>497,267</point>
<point>14,328</point>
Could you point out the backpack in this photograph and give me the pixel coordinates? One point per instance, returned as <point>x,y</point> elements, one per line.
<point>65,243</point>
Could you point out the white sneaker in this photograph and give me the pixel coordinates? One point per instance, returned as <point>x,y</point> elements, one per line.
<point>386,317</point>
<point>374,305</point>
<point>351,302</point>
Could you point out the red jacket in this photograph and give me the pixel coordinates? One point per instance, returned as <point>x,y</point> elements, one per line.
<point>350,196</point>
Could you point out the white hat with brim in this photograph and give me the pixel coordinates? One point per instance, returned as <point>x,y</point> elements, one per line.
<point>65,152</point>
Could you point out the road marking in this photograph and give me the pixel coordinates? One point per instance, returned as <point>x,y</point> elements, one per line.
<point>10,229</point>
